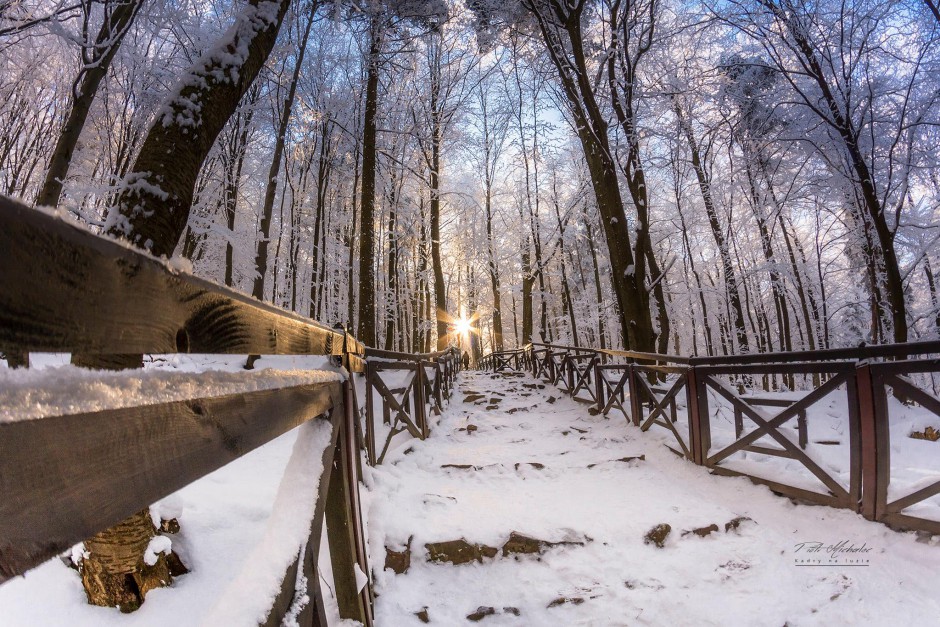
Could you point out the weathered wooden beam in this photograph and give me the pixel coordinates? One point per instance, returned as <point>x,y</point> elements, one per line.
<point>65,478</point>
<point>64,289</point>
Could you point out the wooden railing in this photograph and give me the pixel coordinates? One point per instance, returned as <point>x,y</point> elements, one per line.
<point>686,396</point>
<point>423,385</point>
<point>65,478</point>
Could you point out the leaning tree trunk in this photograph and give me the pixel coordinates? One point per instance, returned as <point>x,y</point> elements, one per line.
<point>932,287</point>
<point>493,268</point>
<point>567,305</point>
<point>440,291</point>
<point>730,276</point>
<point>270,189</point>
<point>561,29</point>
<point>598,288</point>
<point>152,211</point>
<point>528,281</point>
<point>392,298</point>
<point>154,204</point>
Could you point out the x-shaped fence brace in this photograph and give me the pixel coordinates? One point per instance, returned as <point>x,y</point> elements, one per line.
<point>894,376</point>
<point>659,404</point>
<point>578,377</point>
<point>428,384</point>
<point>769,425</point>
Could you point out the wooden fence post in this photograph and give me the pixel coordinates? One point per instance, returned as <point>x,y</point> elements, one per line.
<point>340,527</point>
<point>636,412</point>
<point>695,417</point>
<point>420,407</point>
<point>874,444</point>
<point>599,385</point>
<point>370,414</point>
<point>570,372</point>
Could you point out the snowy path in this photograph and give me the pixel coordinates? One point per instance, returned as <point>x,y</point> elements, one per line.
<point>539,464</point>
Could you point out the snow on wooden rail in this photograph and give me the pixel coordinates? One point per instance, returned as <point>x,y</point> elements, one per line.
<point>872,401</point>
<point>65,478</point>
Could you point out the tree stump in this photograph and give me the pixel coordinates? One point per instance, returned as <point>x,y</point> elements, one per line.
<point>114,570</point>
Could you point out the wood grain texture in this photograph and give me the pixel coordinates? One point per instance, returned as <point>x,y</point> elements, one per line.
<point>65,478</point>
<point>63,289</point>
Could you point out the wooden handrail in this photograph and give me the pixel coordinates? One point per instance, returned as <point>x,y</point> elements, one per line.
<point>64,289</point>
<point>378,353</point>
<point>821,355</point>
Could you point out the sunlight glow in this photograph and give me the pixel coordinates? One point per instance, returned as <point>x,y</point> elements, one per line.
<point>462,326</point>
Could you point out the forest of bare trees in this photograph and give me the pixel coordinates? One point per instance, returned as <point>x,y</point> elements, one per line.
<point>694,178</point>
<point>697,178</point>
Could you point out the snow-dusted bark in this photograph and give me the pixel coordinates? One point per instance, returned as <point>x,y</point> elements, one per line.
<point>157,193</point>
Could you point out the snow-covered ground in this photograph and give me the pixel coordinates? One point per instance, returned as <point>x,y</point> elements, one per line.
<point>568,487</point>
<point>537,464</point>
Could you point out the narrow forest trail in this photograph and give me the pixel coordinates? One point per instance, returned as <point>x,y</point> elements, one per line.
<point>540,465</point>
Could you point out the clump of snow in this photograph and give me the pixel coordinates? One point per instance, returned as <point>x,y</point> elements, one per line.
<point>178,264</point>
<point>361,579</point>
<point>158,544</point>
<point>301,599</point>
<point>78,553</point>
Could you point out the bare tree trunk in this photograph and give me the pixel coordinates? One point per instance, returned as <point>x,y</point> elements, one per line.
<point>366,331</point>
<point>440,292</point>
<point>233,175</point>
<point>318,254</point>
<point>706,323</point>
<point>351,262</point>
<point>270,189</point>
<point>734,296</point>
<point>776,284</point>
<point>392,270</point>
<point>528,281</point>
<point>932,287</point>
<point>118,16</point>
<point>493,269</point>
<point>560,25</point>
<point>632,27</point>
<point>598,288</point>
